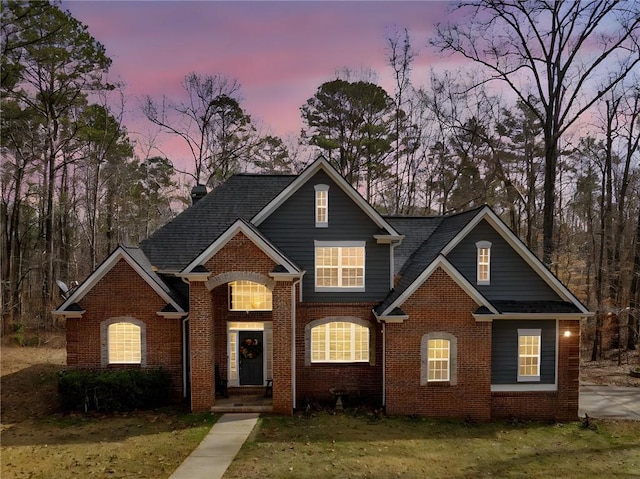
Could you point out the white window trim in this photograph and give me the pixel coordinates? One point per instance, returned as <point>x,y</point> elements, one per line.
<point>453,358</point>
<point>481,245</point>
<point>339,319</point>
<point>233,328</point>
<point>232,285</point>
<point>104,340</point>
<point>530,332</point>
<point>340,244</point>
<point>321,189</point>
<point>352,352</point>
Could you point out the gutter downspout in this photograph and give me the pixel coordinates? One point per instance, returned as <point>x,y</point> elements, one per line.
<point>384,365</point>
<point>186,356</point>
<point>293,340</point>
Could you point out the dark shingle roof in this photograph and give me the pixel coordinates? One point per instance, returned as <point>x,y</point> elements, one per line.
<point>435,239</point>
<point>416,230</point>
<point>177,243</point>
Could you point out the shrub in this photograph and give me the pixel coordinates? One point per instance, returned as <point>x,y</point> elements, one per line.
<point>113,390</point>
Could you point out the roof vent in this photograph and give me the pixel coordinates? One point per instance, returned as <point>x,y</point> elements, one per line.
<point>197,193</point>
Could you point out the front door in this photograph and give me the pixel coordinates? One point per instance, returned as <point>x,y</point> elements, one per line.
<point>250,358</point>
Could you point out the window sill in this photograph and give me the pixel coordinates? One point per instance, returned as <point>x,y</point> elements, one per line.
<point>523,387</point>
<point>338,289</point>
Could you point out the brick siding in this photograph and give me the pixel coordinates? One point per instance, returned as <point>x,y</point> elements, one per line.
<point>122,293</point>
<point>439,305</point>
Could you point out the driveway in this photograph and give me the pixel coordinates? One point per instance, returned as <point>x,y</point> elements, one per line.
<point>609,402</point>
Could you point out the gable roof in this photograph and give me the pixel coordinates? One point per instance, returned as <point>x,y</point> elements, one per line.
<point>140,264</point>
<point>323,165</point>
<point>442,238</point>
<point>439,232</point>
<point>439,262</point>
<point>244,227</point>
<point>176,244</point>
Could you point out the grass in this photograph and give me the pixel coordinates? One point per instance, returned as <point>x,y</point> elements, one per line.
<point>142,444</point>
<point>40,442</point>
<point>348,446</point>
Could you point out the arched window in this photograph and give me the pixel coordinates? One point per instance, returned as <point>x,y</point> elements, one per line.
<point>322,205</point>
<point>124,341</point>
<point>438,358</point>
<point>338,340</point>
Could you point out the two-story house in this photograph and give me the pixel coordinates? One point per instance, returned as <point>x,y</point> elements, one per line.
<point>297,282</point>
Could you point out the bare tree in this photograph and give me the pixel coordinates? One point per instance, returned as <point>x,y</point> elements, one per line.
<point>558,58</point>
<point>210,121</point>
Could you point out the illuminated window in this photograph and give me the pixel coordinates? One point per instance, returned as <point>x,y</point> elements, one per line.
<point>339,342</point>
<point>438,358</point>
<point>529,341</point>
<point>125,343</point>
<point>484,262</point>
<point>439,354</point>
<point>339,267</point>
<point>322,205</point>
<point>249,296</point>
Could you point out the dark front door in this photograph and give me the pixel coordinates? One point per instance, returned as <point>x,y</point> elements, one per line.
<point>251,354</point>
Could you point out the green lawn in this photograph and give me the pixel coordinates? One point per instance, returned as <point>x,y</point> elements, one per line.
<point>345,446</point>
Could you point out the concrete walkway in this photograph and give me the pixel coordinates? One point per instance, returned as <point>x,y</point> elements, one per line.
<point>214,454</point>
<point>609,402</point>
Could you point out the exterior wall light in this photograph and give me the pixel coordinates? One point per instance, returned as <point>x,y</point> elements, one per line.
<point>567,334</point>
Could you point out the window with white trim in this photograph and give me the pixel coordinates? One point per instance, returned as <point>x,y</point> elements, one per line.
<point>249,296</point>
<point>529,347</point>
<point>339,342</point>
<point>439,354</point>
<point>339,266</point>
<point>322,205</point>
<point>484,262</point>
<point>124,343</point>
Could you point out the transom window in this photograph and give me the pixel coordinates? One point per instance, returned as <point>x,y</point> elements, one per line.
<point>249,296</point>
<point>339,267</point>
<point>529,341</point>
<point>439,354</point>
<point>484,262</point>
<point>339,342</point>
<point>124,343</point>
<point>322,205</point>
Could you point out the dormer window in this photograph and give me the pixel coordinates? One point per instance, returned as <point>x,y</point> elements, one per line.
<point>322,206</point>
<point>484,262</point>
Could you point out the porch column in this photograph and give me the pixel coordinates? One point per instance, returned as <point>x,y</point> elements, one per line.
<point>282,370</point>
<point>201,347</point>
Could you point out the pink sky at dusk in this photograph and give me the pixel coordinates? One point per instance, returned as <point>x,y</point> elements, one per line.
<point>280,52</point>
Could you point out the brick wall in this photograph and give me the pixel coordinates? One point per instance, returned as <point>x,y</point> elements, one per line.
<point>560,405</point>
<point>123,293</point>
<point>363,381</point>
<point>201,347</point>
<point>439,305</point>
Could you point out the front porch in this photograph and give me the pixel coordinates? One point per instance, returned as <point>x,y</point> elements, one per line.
<point>256,403</point>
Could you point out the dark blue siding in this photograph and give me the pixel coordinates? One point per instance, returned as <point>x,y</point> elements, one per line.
<point>511,277</point>
<point>292,229</point>
<point>504,351</point>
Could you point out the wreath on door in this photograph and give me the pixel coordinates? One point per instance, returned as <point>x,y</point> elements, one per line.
<point>250,348</point>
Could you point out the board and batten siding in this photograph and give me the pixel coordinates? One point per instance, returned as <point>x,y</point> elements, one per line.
<point>511,277</point>
<point>293,230</point>
<point>504,350</point>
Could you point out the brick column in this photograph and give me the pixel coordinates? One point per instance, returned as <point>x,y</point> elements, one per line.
<point>568,370</point>
<point>282,381</point>
<point>201,347</point>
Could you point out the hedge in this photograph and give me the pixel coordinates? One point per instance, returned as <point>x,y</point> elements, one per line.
<point>113,390</point>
